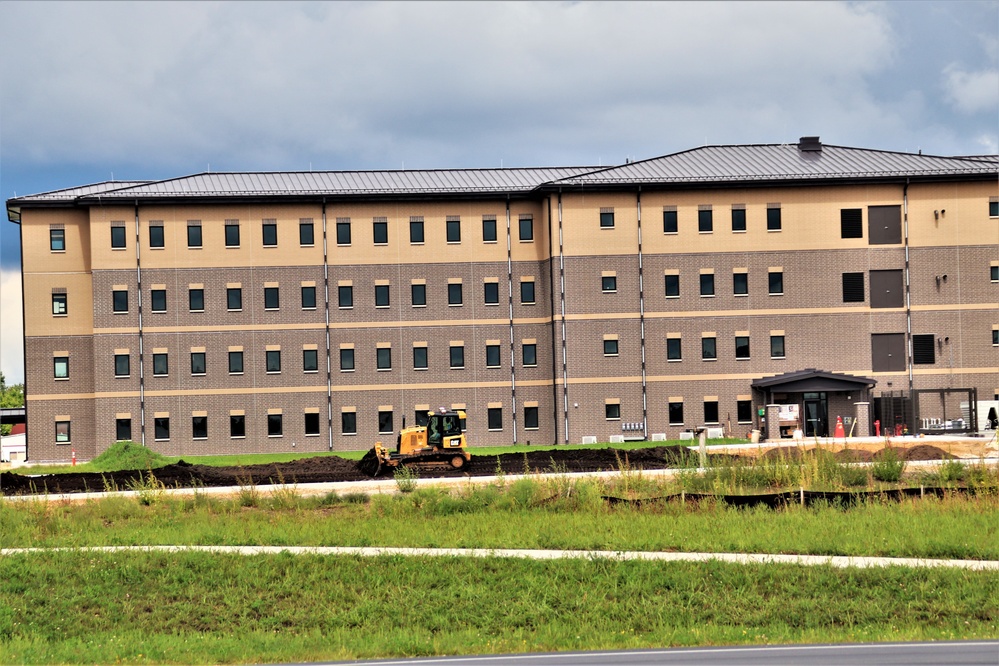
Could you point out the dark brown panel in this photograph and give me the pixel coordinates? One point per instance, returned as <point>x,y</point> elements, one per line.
<point>884,225</point>
<point>888,352</point>
<point>886,289</point>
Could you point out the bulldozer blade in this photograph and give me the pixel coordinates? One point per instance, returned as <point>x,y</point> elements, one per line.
<point>370,464</point>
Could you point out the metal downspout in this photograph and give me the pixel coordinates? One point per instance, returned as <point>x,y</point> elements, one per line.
<point>142,378</point>
<point>561,290</point>
<point>326,307</point>
<point>641,318</point>
<point>551,305</point>
<point>908,293</point>
<point>509,284</point>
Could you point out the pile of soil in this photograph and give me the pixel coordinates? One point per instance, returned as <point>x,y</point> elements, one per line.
<point>918,452</point>
<point>853,456</point>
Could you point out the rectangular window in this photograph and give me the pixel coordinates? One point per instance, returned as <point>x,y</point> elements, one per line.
<point>272,298</point>
<point>420,358</point>
<point>775,281</point>
<point>494,417</point>
<point>489,229</point>
<point>924,349</point>
<point>158,300</point>
<point>887,289</point>
<point>773,217</point>
<point>709,349</point>
<point>306,233</point>
<point>235,363</point>
<point>60,304</point>
<point>234,298</point>
<point>310,360</point>
<point>851,223</point>
<point>117,238</point>
<point>161,425</point>
<point>740,284</point>
<point>884,225</point>
<point>193,235</point>
<point>454,296</point>
<point>711,411</point>
<point>196,300</point>
<point>530,418</point>
<point>122,430</point>
<point>705,220</point>
<point>676,413</point>
<point>57,240</point>
<point>308,298</point>
<point>60,367</point>
<point>197,363</point>
<point>526,228</point>
<point>994,273</point>
<point>670,223</point>
<point>738,218</point>
<point>744,411</point>
<point>381,296</point>
<point>527,292</point>
<point>742,347</point>
<point>492,356</point>
<point>995,337</point>
<point>269,229</point>
<point>418,295</point>
<point>161,365</point>
<point>345,296</point>
<point>672,286</point>
<point>491,293</point>
<point>121,365</point>
<point>346,360</point>
<point>119,300</point>
<point>379,231</point>
<point>311,423</point>
<point>607,219</point>
<point>343,231</point>
<point>385,426</point>
<point>608,283</point>
<point>674,349</point>
<point>777,346</point>
<point>62,432</point>
<point>199,427</point>
<point>273,360</point>
<point>231,234</point>
<point>610,347</point>
<point>529,351</point>
<point>416,230</point>
<point>853,288</point>
<point>156,237</point>
<point>612,411</point>
<point>237,425</point>
<point>707,284</point>
<point>275,425</point>
<point>457,356</point>
<point>384,358</point>
<point>348,423</point>
<point>453,231</point>
<point>994,208</point>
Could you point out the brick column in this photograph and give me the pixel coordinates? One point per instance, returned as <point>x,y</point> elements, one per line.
<point>773,422</point>
<point>862,412</point>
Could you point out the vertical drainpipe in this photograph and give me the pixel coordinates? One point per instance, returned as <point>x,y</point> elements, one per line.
<point>561,291</point>
<point>326,307</point>
<point>509,282</point>
<point>641,317</point>
<point>142,378</point>
<point>551,312</point>
<point>908,294</point>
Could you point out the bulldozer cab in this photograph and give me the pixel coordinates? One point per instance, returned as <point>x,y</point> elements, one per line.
<point>441,426</point>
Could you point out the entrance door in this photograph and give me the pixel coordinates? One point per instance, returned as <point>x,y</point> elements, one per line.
<point>816,415</point>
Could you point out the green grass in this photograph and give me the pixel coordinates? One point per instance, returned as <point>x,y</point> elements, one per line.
<point>203,608</point>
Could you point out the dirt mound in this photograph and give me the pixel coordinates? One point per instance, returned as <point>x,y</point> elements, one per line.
<point>919,452</point>
<point>853,455</point>
<point>783,454</point>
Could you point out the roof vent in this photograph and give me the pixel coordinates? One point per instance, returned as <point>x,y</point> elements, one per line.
<point>810,144</point>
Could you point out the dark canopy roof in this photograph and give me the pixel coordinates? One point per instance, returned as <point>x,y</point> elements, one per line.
<point>812,380</point>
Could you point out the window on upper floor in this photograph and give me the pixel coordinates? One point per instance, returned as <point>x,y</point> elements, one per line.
<point>198,363</point>
<point>121,365</point>
<point>234,298</point>
<point>773,217</point>
<point>492,356</point>
<point>491,293</point>
<point>194,234</point>
<point>383,358</point>
<point>454,295</point>
<point>457,356</point>
<point>161,428</point>
<point>117,238</point>
<point>60,303</point>
<point>231,233</point>
<point>994,207</point>
<point>57,240</point>
<point>711,411</point>
<point>347,360</point>
<point>273,359</point>
<point>237,426</point>
<point>418,294</point>
<point>345,296</point>
<point>158,300</point>
<point>379,231</point>
<point>348,423</point>
<point>606,218</point>
<point>272,298</point>
<point>119,298</point>
<point>608,283</point>
<point>382,296</point>
<point>310,360</point>
<point>775,281</point>
<point>610,347</point>
<point>156,236</point>
<point>672,286</point>
<point>306,233</point>
<point>494,418</point>
<point>420,358</point>
<point>705,220</point>
<point>235,362</point>
<point>612,411</point>
<point>530,418</point>
<point>526,228</point>
<point>674,349</point>
<point>707,284</point>
<point>199,427</point>
<point>62,432</point>
<point>742,347</point>
<point>308,297</point>
<point>529,354</point>
<point>123,429</point>
<point>994,273</point>
<point>527,292</point>
<point>311,423</point>
<point>676,413</point>
<point>670,221</point>
<point>453,230</point>
<point>740,284</point>
<point>777,346</point>
<point>275,425</point>
<point>416,230</point>
<point>385,426</point>
<point>738,217</point>
<point>343,231</point>
<point>60,367</point>
<point>709,348</point>
<point>269,232</point>
<point>161,366</point>
<point>489,229</point>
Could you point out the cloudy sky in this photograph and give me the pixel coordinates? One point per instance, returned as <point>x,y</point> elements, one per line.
<point>157,90</point>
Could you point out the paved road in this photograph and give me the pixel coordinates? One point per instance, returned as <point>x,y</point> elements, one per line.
<point>839,562</point>
<point>958,653</point>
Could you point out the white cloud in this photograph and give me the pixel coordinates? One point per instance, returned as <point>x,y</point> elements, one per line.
<point>11,330</point>
<point>971,92</point>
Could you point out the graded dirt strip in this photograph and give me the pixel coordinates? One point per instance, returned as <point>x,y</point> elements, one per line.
<point>836,561</point>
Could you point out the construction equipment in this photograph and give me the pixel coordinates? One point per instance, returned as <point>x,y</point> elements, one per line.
<point>440,444</point>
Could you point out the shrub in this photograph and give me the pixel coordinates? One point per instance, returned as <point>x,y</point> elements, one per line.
<point>128,455</point>
<point>888,466</point>
<point>405,479</point>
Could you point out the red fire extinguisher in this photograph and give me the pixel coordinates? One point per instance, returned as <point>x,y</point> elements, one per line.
<point>877,428</point>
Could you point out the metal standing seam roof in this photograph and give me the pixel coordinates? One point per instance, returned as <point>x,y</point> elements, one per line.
<point>71,193</point>
<point>782,162</point>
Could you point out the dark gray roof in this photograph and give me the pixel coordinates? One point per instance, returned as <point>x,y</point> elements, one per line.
<point>770,162</point>
<point>811,379</point>
<point>71,193</point>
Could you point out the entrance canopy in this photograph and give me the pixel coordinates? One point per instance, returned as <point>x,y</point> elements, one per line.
<point>811,380</point>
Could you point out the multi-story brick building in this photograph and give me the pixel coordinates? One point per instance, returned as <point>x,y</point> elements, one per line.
<point>246,312</point>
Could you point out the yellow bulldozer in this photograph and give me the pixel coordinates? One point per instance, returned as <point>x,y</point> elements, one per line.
<point>440,444</point>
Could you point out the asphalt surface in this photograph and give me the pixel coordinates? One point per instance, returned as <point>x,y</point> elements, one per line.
<point>956,653</point>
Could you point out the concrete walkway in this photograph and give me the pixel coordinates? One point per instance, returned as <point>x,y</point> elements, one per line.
<point>839,562</point>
